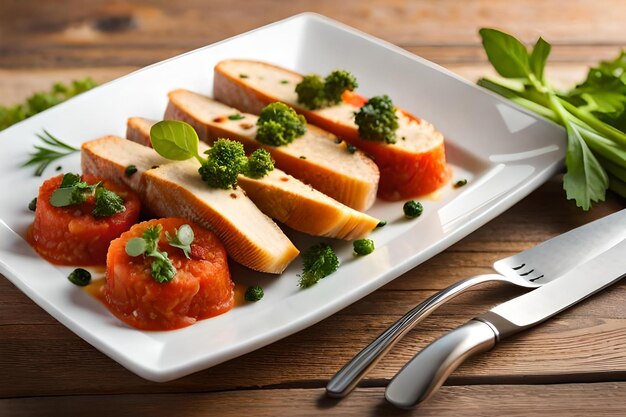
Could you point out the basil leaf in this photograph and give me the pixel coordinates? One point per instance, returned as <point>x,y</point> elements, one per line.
<point>174,140</point>
<point>508,56</point>
<point>585,180</point>
<point>539,57</point>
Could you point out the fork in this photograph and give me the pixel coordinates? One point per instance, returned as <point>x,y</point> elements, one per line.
<point>344,381</point>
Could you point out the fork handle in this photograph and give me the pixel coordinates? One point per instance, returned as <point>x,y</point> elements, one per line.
<point>419,379</point>
<point>349,376</point>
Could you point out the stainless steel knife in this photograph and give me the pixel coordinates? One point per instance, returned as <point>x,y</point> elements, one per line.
<point>419,379</point>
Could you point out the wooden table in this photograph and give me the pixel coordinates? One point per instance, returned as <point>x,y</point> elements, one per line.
<point>575,364</point>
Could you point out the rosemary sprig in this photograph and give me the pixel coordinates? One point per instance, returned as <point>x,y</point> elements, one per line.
<point>51,150</point>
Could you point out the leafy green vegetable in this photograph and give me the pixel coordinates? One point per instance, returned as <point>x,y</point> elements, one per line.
<point>161,267</point>
<point>80,277</point>
<point>363,246</point>
<point>315,93</point>
<point>224,161</point>
<point>412,209</point>
<point>51,150</point>
<point>253,293</point>
<point>260,163</point>
<point>107,203</point>
<point>279,124</point>
<point>72,191</point>
<point>591,113</point>
<point>319,261</point>
<point>182,239</point>
<point>377,120</point>
<point>41,101</point>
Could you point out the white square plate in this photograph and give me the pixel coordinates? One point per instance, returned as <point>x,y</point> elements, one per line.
<point>503,152</point>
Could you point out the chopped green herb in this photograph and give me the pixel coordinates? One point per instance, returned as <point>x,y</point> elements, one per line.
<point>130,170</point>
<point>51,150</point>
<point>32,206</point>
<point>377,120</point>
<point>319,261</point>
<point>279,124</point>
<point>253,293</point>
<point>284,81</point>
<point>315,92</point>
<point>351,148</point>
<point>302,157</point>
<point>182,239</point>
<point>161,267</point>
<point>363,246</point>
<point>460,183</point>
<point>412,209</point>
<point>243,76</point>
<point>381,223</point>
<point>236,116</point>
<point>107,203</point>
<point>259,164</point>
<point>41,101</point>
<point>80,277</point>
<point>58,168</point>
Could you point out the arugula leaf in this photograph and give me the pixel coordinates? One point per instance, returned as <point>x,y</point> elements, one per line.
<point>507,54</point>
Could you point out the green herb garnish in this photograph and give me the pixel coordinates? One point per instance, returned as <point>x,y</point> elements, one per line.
<point>80,277</point>
<point>32,206</point>
<point>381,223</point>
<point>130,170</point>
<point>279,124</point>
<point>363,247</point>
<point>594,147</point>
<point>182,239</point>
<point>108,203</point>
<point>72,191</point>
<point>412,209</point>
<point>41,101</point>
<point>377,120</point>
<point>224,161</point>
<point>316,93</point>
<point>319,261</point>
<point>253,293</point>
<point>161,268</point>
<point>51,150</point>
<point>236,116</point>
<point>460,183</point>
<point>351,148</point>
<point>284,81</point>
<point>243,76</point>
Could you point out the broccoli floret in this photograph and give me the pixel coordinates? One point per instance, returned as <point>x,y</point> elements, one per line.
<point>260,163</point>
<point>225,160</point>
<point>319,261</point>
<point>107,203</point>
<point>363,246</point>
<point>310,92</point>
<point>377,120</point>
<point>412,209</point>
<point>336,83</point>
<point>253,293</point>
<point>315,93</point>
<point>279,124</point>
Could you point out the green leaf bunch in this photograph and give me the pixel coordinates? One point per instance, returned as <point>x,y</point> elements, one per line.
<point>377,120</point>
<point>319,261</point>
<point>73,190</point>
<point>316,93</point>
<point>278,124</point>
<point>591,113</point>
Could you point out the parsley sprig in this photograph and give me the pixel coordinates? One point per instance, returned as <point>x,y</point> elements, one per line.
<point>591,113</point>
<point>48,152</point>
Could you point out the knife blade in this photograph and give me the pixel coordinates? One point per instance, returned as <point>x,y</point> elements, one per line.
<point>420,378</point>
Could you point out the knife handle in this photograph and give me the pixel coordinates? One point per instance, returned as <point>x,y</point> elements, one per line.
<point>419,379</point>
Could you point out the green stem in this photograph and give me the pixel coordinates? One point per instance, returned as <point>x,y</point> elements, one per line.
<point>602,128</point>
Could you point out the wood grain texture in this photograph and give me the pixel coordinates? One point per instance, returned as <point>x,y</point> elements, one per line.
<point>574,364</point>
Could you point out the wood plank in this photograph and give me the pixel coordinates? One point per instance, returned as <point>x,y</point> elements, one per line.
<point>136,34</point>
<point>485,400</point>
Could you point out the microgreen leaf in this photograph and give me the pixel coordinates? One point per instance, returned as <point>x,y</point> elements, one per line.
<point>539,57</point>
<point>136,246</point>
<point>161,267</point>
<point>507,54</point>
<point>174,140</point>
<point>182,239</point>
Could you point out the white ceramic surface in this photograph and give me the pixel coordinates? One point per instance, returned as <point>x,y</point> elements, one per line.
<point>502,151</point>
